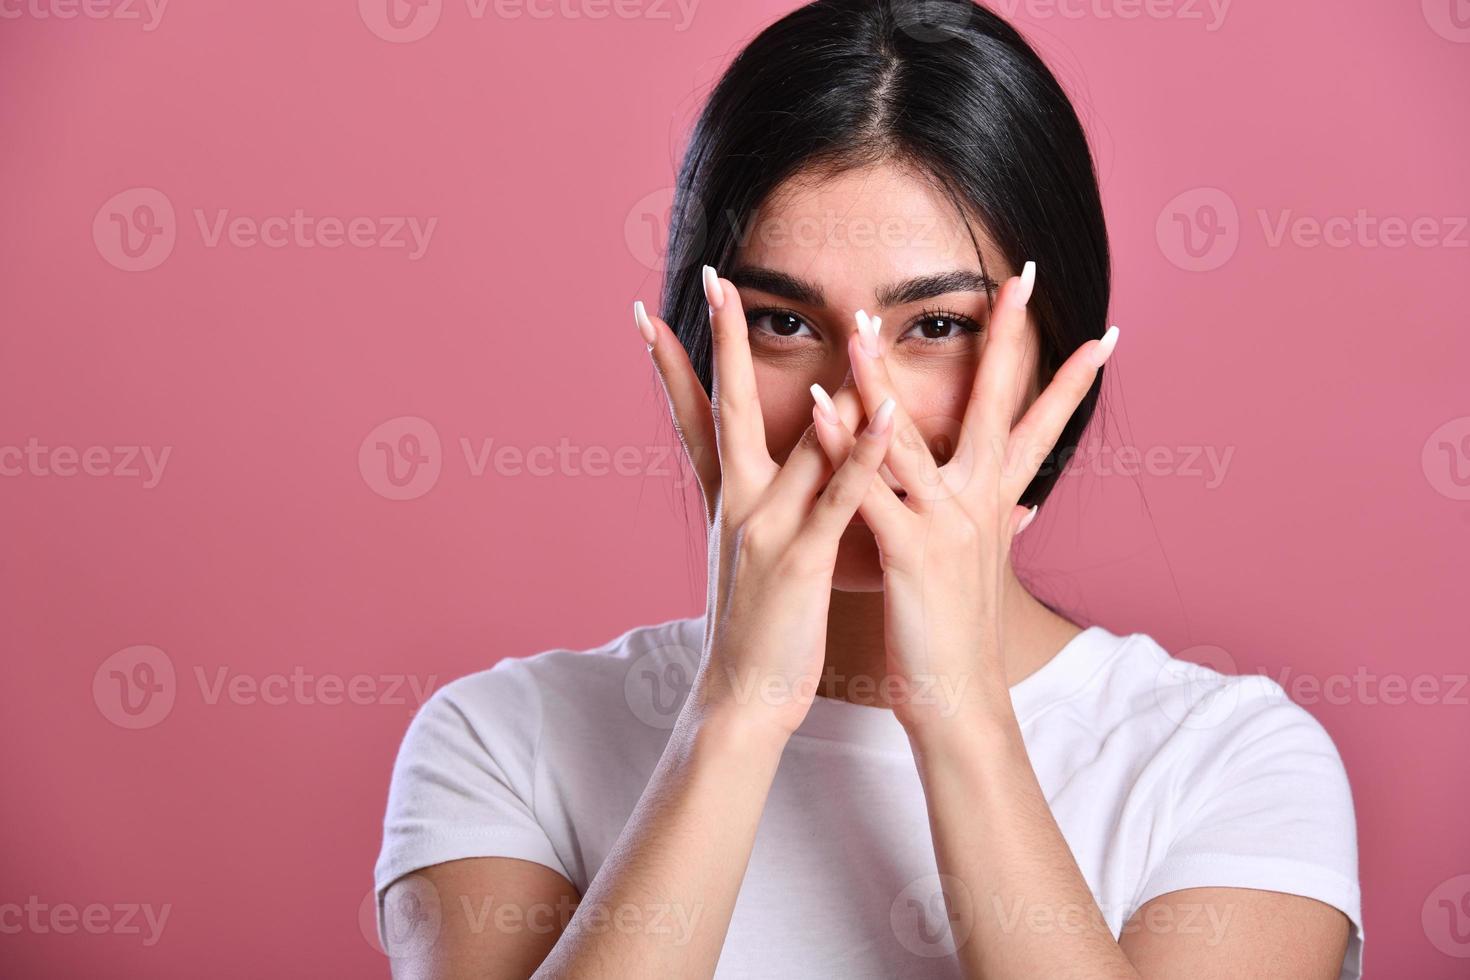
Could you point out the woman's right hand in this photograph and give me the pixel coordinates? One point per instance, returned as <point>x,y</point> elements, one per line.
<point>773,528</point>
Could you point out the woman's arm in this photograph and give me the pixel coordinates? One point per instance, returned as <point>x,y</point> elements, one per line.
<point>1031,913</point>
<point>481,917</point>
<point>660,905</point>
<point>1019,904</point>
<point>680,860</point>
<point>662,901</point>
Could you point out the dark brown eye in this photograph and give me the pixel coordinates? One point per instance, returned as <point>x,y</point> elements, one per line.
<point>785,324</point>
<point>779,325</point>
<point>937,327</point>
<point>940,327</point>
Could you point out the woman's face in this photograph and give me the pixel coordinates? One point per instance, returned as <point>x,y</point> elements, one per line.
<point>880,239</point>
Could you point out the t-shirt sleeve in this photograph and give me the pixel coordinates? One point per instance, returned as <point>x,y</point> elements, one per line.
<point>1269,808</point>
<point>464,780</point>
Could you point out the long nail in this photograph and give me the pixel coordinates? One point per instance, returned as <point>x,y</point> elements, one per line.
<point>868,327</point>
<point>1022,294</point>
<point>1104,349</point>
<point>1026,521</point>
<point>645,325</point>
<point>883,417</point>
<point>825,405</point>
<point>714,292</point>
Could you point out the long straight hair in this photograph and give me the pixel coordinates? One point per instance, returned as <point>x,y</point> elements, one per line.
<point>943,85</point>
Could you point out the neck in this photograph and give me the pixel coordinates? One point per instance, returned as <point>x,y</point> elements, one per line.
<point>856,659</point>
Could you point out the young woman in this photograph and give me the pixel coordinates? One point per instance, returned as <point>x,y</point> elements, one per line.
<point>876,754</point>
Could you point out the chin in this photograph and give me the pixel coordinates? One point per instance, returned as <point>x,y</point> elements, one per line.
<point>858,568</point>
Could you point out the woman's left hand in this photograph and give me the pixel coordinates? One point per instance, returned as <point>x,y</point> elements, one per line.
<point>945,546</point>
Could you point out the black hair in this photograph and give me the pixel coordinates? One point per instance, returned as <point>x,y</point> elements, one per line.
<point>945,86</point>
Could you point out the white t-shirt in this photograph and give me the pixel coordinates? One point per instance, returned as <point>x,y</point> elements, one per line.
<point>1162,776</point>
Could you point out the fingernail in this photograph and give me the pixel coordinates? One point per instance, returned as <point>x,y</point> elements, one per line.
<point>882,417</point>
<point>714,292</point>
<point>1026,521</point>
<point>1104,349</point>
<point>645,325</point>
<point>825,405</point>
<point>1022,294</point>
<point>868,332</point>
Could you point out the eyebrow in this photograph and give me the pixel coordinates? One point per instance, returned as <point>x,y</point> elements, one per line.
<point>798,290</point>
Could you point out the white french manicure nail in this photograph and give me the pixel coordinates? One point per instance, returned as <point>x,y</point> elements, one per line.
<point>1026,521</point>
<point>824,402</point>
<point>1105,347</point>
<point>868,332</point>
<point>645,325</point>
<point>714,293</point>
<point>1022,296</point>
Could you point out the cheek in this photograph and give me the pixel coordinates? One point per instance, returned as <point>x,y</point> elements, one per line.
<point>935,398</point>
<point>786,407</point>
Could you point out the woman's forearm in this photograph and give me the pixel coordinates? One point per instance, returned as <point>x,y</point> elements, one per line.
<point>662,902</point>
<point>1004,860</point>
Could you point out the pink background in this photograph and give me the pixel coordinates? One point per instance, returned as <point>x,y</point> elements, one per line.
<point>1332,548</point>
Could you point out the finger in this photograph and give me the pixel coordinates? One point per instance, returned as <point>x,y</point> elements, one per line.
<point>998,381</point>
<point>797,483</point>
<point>849,405</point>
<point>881,508</point>
<point>688,404</point>
<point>909,459</point>
<point>740,431</point>
<point>1037,433</point>
<point>851,483</point>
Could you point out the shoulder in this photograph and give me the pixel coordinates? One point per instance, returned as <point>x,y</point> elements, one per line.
<point>646,667</point>
<point>1253,788</point>
<point>1199,700</point>
<point>1240,768</point>
<point>1200,742</point>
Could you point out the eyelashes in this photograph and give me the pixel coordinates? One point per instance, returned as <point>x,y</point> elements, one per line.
<point>955,326</point>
